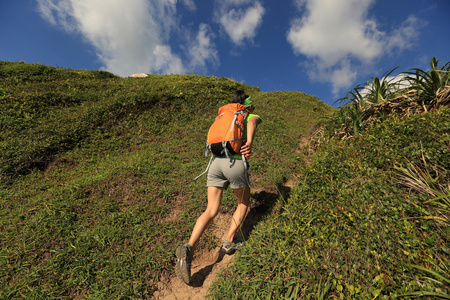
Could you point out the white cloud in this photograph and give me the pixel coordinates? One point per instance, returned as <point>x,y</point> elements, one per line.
<point>340,38</point>
<point>130,36</point>
<point>166,62</point>
<point>239,18</point>
<point>343,76</point>
<point>403,37</point>
<point>203,50</point>
<point>190,4</point>
<point>57,12</point>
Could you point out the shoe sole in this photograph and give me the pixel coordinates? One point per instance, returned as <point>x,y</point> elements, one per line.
<point>181,268</point>
<point>229,251</point>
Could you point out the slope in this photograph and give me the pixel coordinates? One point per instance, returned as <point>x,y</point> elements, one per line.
<point>96,174</point>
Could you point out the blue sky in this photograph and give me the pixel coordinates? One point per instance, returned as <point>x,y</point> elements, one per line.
<point>319,47</point>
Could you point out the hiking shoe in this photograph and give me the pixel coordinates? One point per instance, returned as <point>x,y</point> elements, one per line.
<point>231,247</point>
<point>183,266</point>
<point>227,247</point>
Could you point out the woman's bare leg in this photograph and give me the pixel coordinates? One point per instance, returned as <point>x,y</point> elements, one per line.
<point>214,198</point>
<point>243,195</point>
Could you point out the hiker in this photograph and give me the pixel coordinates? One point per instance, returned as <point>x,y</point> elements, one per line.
<point>225,170</point>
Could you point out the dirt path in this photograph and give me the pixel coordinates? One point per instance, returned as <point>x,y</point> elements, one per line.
<point>206,265</point>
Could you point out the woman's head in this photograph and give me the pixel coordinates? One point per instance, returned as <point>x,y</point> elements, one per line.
<point>239,97</point>
<point>242,98</point>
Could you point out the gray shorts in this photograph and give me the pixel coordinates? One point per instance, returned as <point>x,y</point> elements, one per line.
<point>227,171</point>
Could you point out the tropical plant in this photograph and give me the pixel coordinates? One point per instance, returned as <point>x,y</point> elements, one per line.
<point>428,84</point>
<point>351,115</point>
<point>406,93</point>
<point>360,103</point>
<point>381,90</point>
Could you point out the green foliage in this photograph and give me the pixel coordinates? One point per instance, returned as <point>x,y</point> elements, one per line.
<point>96,189</point>
<point>405,94</point>
<point>350,230</point>
<point>18,73</point>
<point>291,118</point>
<point>358,102</point>
<point>96,174</point>
<point>441,278</point>
<point>428,83</point>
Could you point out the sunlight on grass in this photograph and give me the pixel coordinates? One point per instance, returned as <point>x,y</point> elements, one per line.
<point>97,190</point>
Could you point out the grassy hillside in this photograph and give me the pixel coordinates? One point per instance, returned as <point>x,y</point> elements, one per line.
<point>96,187</point>
<point>366,217</point>
<point>96,172</point>
<point>369,217</point>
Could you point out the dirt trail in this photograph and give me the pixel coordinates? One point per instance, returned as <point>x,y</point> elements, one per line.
<point>207,264</point>
<point>205,267</point>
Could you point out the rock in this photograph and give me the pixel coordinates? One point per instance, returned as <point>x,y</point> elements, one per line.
<point>139,75</point>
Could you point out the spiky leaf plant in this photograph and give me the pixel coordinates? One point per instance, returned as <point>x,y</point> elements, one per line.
<point>429,83</point>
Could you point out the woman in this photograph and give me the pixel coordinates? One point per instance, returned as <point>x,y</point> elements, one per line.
<point>224,172</point>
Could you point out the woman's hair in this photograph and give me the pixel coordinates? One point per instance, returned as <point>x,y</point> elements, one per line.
<point>239,97</point>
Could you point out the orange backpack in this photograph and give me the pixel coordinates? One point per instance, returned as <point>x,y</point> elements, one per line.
<point>226,134</point>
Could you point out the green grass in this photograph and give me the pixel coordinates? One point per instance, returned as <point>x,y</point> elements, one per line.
<point>349,229</point>
<point>96,174</point>
<point>97,190</point>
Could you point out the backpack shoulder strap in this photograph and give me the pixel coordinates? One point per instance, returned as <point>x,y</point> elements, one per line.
<point>207,167</point>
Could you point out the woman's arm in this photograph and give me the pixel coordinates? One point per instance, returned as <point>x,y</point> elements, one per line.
<point>246,149</point>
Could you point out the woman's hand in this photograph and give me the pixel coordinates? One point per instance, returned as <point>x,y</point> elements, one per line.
<point>246,150</point>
